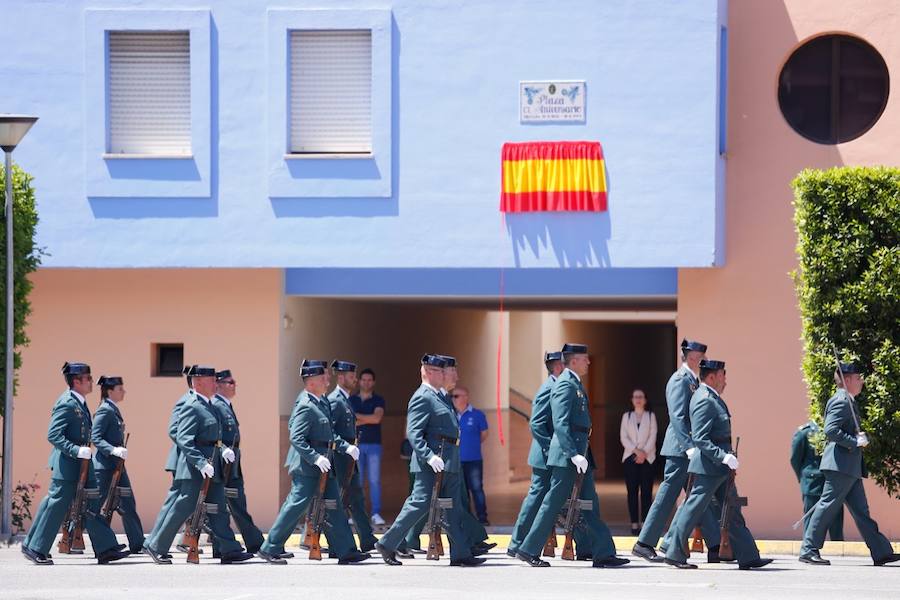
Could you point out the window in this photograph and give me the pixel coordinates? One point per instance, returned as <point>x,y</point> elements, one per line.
<point>331,92</point>
<point>149,93</point>
<point>168,360</point>
<point>833,88</point>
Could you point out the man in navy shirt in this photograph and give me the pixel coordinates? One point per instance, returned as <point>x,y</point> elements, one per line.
<point>369,409</point>
<point>472,432</point>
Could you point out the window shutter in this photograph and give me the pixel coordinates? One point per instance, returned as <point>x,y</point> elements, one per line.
<point>149,87</point>
<point>331,91</point>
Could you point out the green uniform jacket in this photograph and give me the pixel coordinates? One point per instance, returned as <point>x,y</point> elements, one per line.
<point>711,429</point>
<point>430,417</point>
<point>231,431</point>
<point>805,461</point>
<point>311,434</point>
<point>70,428</point>
<point>679,390</point>
<point>571,412</point>
<point>841,452</point>
<point>172,460</point>
<point>107,433</point>
<point>541,425</point>
<point>199,430</point>
<point>343,418</point>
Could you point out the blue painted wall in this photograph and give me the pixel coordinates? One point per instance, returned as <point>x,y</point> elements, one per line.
<point>445,94</point>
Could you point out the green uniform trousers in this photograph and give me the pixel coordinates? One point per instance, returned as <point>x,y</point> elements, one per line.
<point>134,531</point>
<point>674,480</point>
<point>474,531</point>
<point>164,532</point>
<point>253,537</point>
<point>843,489</point>
<point>595,531</point>
<point>540,483</point>
<point>706,489</point>
<point>357,500</point>
<point>415,509</point>
<point>303,488</point>
<point>52,512</point>
<point>835,530</point>
<point>171,496</point>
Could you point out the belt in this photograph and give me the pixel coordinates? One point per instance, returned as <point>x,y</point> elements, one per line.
<point>448,439</point>
<point>205,444</point>
<point>579,429</point>
<point>320,444</point>
<point>722,440</point>
<point>350,440</point>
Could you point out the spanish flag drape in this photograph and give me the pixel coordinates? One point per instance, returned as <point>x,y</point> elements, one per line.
<point>553,176</point>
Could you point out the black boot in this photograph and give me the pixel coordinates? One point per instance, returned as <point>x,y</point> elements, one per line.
<point>388,556</point>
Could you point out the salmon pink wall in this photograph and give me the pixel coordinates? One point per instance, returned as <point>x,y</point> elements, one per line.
<point>109,319</point>
<point>746,311</point>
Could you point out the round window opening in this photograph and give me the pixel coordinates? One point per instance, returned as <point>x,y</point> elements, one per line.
<point>833,88</point>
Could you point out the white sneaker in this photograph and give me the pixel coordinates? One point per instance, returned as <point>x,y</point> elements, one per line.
<point>377,520</point>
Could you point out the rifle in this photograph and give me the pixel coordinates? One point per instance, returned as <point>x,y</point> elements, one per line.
<point>725,551</point>
<point>550,544</point>
<point>73,525</point>
<point>194,526</point>
<point>573,518</point>
<point>318,515</point>
<point>345,493</point>
<point>115,493</point>
<point>436,510</point>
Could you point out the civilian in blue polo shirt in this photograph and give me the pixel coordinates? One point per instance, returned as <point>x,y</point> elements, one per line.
<point>473,429</point>
<point>369,409</point>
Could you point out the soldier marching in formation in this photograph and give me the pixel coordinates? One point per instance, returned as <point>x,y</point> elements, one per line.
<point>208,490</point>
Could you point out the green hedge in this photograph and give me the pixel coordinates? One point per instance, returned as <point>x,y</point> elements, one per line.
<point>848,284</point>
<point>27,259</point>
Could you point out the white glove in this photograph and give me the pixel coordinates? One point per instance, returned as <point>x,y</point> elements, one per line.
<point>84,452</point>
<point>730,460</point>
<point>207,471</point>
<point>580,462</point>
<point>353,452</point>
<point>324,464</point>
<point>862,440</point>
<point>228,455</point>
<point>436,463</point>
<point>691,452</point>
<point>120,452</point>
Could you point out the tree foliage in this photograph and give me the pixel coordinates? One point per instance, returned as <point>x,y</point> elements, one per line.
<point>848,284</point>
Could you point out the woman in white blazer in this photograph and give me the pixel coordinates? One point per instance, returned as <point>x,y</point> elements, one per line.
<point>638,435</point>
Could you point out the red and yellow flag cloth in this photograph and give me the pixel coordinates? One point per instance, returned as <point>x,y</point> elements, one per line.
<point>553,176</point>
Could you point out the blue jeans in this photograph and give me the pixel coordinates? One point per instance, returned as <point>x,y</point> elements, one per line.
<point>472,472</point>
<point>370,470</point>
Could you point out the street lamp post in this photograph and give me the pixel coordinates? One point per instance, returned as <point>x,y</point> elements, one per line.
<point>12,129</point>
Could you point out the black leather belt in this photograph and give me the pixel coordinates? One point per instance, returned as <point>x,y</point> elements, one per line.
<point>448,439</point>
<point>319,444</point>
<point>581,429</point>
<point>722,440</point>
<point>350,440</point>
<point>205,444</point>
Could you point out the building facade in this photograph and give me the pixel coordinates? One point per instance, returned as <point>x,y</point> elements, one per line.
<point>247,184</point>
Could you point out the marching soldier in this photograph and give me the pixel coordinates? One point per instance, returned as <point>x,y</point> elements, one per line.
<point>541,425</point>
<point>312,440</point>
<point>198,435</point>
<point>805,462</point>
<point>344,421</point>
<point>108,435</point>
<point>433,431</point>
<point>569,453</point>
<point>844,469</point>
<point>475,532</point>
<point>70,434</point>
<point>712,465</point>
<point>678,449</point>
<point>222,401</point>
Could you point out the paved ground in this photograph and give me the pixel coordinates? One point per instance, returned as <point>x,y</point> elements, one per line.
<point>501,578</point>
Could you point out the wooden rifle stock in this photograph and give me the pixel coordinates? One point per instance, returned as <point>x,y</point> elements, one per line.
<point>435,544</point>
<point>725,550</point>
<point>572,515</point>
<point>191,537</point>
<point>550,544</point>
<point>314,524</point>
<point>112,496</point>
<point>696,544</point>
<point>72,527</point>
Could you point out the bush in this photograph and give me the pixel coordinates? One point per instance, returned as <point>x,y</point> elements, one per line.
<point>848,285</point>
<point>27,259</point>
